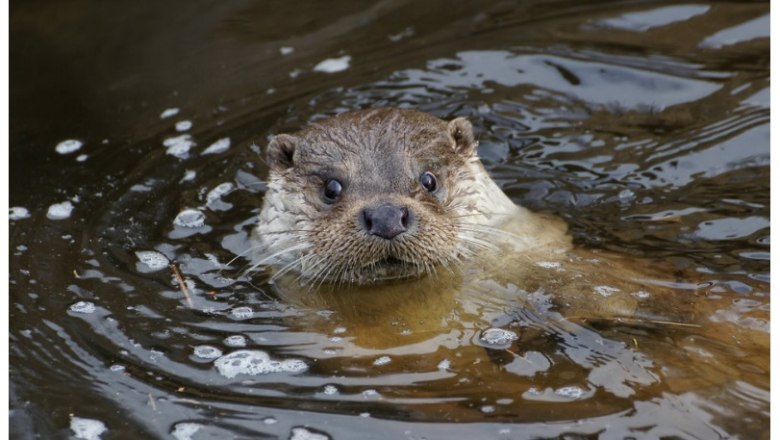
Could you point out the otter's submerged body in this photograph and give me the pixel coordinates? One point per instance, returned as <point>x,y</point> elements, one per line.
<point>387,219</point>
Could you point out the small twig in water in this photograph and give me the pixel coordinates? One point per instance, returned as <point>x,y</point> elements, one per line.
<point>151,402</point>
<point>182,284</point>
<point>661,322</point>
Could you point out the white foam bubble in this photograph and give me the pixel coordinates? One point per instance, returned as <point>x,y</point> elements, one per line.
<point>68,146</point>
<point>87,429</point>
<point>60,211</point>
<point>185,430</point>
<point>488,409</point>
<point>153,259</point>
<point>305,434</point>
<point>286,50</point>
<point>179,146</point>
<point>444,365</point>
<point>217,147</point>
<point>330,390</point>
<point>190,218</point>
<point>18,213</point>
<point>81,158</point>
<point>333,65</point>
<point>183,125</point>
<point>498,336</point>
<point>254,362</point>
<point>626,194</point>
<point>207,352</point>
<point>83,307</point>
<point>167,113</point>
<point>242,312</point>
<point>188,175</point>
<point>235,341</point>
<point>549,264</point>
<point>219,191</point>
<point>269,420</point>
<point>370,393</point>
<point>572,392</point>
<point>384,360</point>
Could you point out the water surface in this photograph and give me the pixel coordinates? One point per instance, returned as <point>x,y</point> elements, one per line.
<point>137,134</point>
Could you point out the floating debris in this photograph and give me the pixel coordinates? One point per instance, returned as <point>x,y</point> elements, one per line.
<point>152,259</point>
<point>498,337</point>
<point>83,307</point>
<point>190,218</point>
<point>255,362</point>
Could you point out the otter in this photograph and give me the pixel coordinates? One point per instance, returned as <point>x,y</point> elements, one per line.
<point>388,220</point>
<point>379,200</point>
<point>378,195</point>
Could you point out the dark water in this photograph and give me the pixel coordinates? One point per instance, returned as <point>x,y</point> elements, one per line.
<point>644,125</point>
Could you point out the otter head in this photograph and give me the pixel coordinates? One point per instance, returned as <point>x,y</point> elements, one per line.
<point>369,196</point>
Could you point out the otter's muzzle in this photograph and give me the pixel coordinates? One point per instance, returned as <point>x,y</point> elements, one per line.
<point>386,221</point>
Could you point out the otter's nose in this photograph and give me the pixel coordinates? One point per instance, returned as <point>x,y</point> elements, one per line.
<point>386,220</point>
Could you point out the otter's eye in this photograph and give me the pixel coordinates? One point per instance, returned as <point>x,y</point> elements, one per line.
<point>428,181</point>
<point>332,191</point>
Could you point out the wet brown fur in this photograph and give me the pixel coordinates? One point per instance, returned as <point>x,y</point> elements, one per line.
<point>378,156</point>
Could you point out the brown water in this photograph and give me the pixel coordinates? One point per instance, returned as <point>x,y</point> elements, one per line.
<point>644,125</point>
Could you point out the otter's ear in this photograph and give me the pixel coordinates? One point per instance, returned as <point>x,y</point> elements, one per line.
<point>461,132</point>
<point>280,151</point>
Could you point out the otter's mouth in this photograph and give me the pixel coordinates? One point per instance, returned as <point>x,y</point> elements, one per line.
<point>390,262</point>
<point>389,268</point>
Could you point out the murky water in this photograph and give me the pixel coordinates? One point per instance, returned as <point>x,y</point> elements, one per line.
<point>135,138</point>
